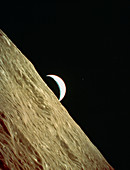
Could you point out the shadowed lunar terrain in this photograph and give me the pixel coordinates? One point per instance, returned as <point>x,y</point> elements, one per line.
<point>36,131</point>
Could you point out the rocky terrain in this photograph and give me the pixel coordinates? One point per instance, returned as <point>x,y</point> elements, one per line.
<point>36,131</point>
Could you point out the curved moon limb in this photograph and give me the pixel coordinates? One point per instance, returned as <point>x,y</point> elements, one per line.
<point>61,85</point>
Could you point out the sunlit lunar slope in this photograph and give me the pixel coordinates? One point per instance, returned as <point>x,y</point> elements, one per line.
<point>36,131</point>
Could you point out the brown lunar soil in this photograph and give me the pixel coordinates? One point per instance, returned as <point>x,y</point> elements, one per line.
<point>36,131</point>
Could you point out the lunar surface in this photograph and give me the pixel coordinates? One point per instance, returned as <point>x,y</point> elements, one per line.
<point>36,131</point>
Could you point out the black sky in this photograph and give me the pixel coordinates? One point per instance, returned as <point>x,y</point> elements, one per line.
<point>88,46</point>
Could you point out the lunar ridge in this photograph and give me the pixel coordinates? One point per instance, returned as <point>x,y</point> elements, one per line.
<point>36,131</point>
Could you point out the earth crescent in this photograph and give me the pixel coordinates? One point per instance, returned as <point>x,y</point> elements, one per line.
<point>61,85</point>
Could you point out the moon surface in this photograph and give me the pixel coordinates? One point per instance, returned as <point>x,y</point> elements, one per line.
<point>61,85</point>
